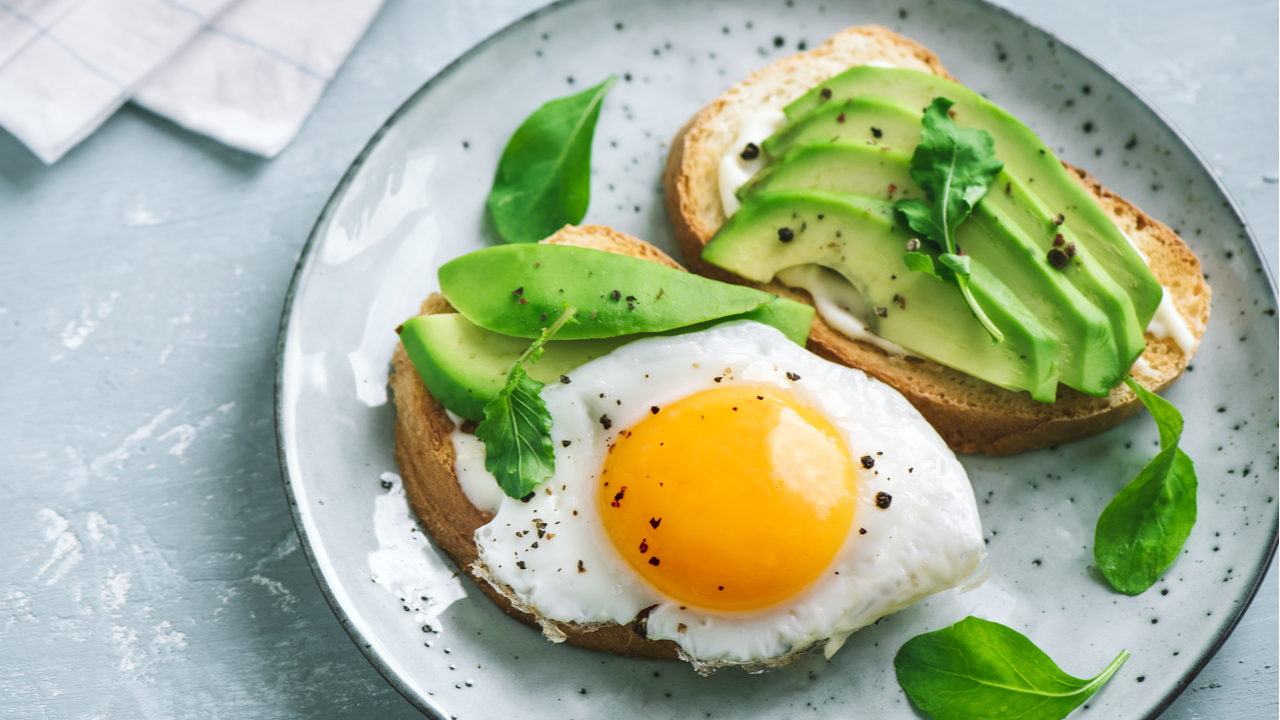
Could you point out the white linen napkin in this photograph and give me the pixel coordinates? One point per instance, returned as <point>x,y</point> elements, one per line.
<point>245,72</point>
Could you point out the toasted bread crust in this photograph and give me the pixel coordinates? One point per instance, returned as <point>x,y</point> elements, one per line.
<point>425,455</point>
<point>970,414</point>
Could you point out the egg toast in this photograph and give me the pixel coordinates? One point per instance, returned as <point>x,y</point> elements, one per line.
<point>426,458</point>
<point>972,415</point>
<point>706,482</point>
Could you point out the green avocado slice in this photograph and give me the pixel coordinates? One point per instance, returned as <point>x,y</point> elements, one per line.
<point>464,366</point>
<point>862,239</point>
<point>1089,360</point>
<point>1024,209</point>
<point>517,290</point>
<point>1025,156</point>
<point>867,119</point>
<point>850,167</point>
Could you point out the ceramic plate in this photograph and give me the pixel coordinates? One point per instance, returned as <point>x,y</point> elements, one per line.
<point>415,198</point>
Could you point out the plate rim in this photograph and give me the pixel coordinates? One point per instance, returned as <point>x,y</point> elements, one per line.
<point>305,256</point>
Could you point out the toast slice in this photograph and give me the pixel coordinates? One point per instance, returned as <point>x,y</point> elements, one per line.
<point>424,452</point>
<point>970,414</point>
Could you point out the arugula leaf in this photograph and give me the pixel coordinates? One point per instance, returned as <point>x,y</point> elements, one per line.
<point>958,264</point>
<point>1143,528</point>
<point>981,670</point>
<point>921,263</point>
<point>544,177</point>
<point>516,430</point>
<point>954,166</point>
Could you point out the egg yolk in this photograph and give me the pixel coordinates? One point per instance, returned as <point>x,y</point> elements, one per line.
<point>732,499</point>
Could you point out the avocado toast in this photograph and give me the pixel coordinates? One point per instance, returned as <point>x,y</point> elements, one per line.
<point>1072,332</point>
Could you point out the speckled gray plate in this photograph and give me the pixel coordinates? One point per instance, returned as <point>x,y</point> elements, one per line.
<point>415,197</point>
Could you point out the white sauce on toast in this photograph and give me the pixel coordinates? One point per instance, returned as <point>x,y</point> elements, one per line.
<point>1168,322</point>
<point>478,484</point>
<point>838,302</point>
<point>757,126</point>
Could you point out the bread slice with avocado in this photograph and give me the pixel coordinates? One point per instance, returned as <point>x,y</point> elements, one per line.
<point>425,455</point>
<point>867,118</point>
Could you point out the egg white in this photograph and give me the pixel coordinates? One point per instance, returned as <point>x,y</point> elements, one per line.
<point>929,539</point>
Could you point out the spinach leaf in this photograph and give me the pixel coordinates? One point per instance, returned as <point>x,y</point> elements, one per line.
<point>544,177</point>
<point>954,166</point>
<point>516,429</point>
<point>981,670</point>
<point>1143,528</point>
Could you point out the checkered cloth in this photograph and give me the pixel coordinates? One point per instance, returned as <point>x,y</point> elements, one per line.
<point>245,72</point>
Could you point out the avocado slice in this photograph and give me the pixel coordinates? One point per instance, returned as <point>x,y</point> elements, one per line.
<point>850,167</point>
<point>880,122</point>
<point>862,239</point>
<point>1025,156</point>
<point>1024,209</point>
<point>1089,360</point>
<point>518,290</point>
<point>464,366</point>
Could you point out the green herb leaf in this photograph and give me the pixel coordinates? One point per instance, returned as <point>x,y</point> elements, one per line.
<point>919,216</point>
<point>544,177</point>
<point>920,262</point>
<point>516,430</point>
<point>958,264</point>
<point>981,670</point>
<point>1143,528</point>
<point>954,166</point>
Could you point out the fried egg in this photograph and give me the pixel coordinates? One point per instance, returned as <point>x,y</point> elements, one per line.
<point>751,498</point>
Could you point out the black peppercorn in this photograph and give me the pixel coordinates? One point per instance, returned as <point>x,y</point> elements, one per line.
<point>1058,258</point>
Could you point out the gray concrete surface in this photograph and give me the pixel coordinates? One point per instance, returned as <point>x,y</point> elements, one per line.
<point>149,567</point>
